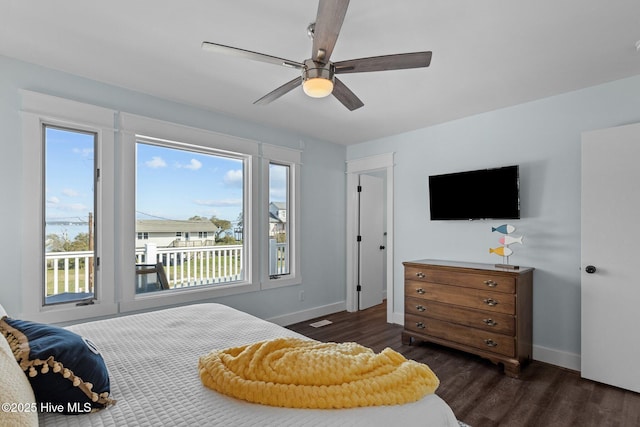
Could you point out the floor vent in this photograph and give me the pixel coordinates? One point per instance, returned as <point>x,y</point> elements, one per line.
<point>321,323</point>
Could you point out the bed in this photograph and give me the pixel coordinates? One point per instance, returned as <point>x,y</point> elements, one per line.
<point>152,360</point>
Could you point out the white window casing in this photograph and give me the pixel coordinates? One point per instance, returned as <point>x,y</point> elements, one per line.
<point>135,128</point>
<point>39,110</point>
<point>292,158</point>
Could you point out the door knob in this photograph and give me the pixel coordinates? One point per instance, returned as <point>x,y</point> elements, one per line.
<point>381,247</point>
<point>590,269</point>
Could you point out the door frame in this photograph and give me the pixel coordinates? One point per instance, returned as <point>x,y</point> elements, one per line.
<point>356,167</point>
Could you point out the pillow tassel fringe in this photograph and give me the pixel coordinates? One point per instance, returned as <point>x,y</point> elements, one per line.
<point>21,351</point>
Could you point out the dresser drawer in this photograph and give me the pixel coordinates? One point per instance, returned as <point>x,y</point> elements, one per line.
<point>494,322</point>
<point>479,299</point>
<point>477,338</point>
<point>488,281</point>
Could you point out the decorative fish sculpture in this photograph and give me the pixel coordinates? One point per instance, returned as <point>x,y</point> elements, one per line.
<point>502,251</point>
<point>504,229</point>
<point>508,240</point>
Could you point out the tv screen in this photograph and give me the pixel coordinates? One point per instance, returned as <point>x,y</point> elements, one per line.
<point>479,194</point>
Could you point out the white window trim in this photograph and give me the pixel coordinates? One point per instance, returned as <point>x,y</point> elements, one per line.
<point>134,128</point>
<point>37,110</point>
<point>289,157</point>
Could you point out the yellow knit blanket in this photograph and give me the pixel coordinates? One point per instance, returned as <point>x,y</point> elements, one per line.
<point>296,373</point>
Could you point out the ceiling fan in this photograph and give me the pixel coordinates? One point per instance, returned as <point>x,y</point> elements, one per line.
<point>318,73</point>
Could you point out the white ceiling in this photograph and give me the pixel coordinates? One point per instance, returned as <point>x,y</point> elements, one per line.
<point>486,54</point>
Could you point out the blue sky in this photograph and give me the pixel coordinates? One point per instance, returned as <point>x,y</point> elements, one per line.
<point>69,175</point>
<point>170,183</point>
<point>179,184</point>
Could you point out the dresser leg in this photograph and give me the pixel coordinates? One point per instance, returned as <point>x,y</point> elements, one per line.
<point>407,339</point>
<point>512,370</point>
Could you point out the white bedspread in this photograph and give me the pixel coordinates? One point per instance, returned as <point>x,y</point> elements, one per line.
<point>153,365</point>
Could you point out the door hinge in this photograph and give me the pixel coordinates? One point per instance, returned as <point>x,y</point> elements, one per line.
<point>359,239</point>
<point>98,173</point>
<point>359,188</point>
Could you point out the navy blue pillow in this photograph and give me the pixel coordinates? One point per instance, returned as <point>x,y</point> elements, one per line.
<point>66,371</point>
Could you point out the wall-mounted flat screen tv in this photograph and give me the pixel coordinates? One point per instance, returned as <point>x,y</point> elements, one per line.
<point>478,194</point>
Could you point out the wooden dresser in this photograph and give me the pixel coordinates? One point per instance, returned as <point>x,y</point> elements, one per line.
<point>477,308</point>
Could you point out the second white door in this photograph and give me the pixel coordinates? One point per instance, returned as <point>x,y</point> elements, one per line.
<point>372,253</point>
<point>610,256</point>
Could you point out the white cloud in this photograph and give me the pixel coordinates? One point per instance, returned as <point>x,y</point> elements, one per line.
<point>69,192</point>
<point>76,207</point>
<point>233,177</point>
<point>53,200</point>
<point>156,162</point>
<point>194,165</point>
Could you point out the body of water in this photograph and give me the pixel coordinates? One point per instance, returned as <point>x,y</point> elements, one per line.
<point>70,230</point>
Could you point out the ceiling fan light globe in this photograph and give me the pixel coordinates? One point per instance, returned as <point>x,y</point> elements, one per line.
<point>318,87</point>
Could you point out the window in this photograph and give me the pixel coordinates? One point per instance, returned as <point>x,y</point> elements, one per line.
<point>70,215</point>
<point>189,188</point>
<point>201,215</point>
<point>278,225</point>
<point>68,240</point>
<point>206,181</point>
<point>281,205</point>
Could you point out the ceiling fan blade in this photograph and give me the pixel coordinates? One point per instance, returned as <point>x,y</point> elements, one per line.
<point>275,94</point>
<point>327,27</point>
<point>345,96</point>
<point>247,54</point>
<point>399,61</point>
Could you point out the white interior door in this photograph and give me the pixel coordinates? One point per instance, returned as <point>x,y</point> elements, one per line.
<point>372,258</point>
<point>610,236</point>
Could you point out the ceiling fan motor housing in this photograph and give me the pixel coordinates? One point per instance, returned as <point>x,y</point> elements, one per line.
<point>317,73</point>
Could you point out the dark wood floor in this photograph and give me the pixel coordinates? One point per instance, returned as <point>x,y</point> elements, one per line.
<point>476,390</point>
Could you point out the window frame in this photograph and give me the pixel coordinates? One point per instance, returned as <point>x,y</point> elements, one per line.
<point>39,110</point>
<point>95,180</point>
<point>134,128</point>
<point>272,154</point>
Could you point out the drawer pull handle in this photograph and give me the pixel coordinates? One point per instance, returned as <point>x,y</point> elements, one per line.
<point>490,343</point>
<point>490,302</point>
<point>491,283</point>
<point>421,291</point>
<point>490,322</point>
<point>420,325</point>
<point>420,275</point>
<point>420,308</point>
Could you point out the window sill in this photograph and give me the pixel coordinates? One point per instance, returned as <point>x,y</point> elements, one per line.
<point>280,282</point>
<point>183,296</point>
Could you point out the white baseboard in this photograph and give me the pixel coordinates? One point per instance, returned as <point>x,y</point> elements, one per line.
<point>556,357</point>
<point>312,313</point>
<point>397,318</point>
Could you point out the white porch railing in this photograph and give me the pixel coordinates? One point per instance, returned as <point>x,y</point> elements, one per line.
<point>184,267</point>
<point>195,266</point>
<point>74,276</point>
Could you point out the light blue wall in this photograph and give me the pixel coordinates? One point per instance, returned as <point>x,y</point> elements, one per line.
<point>323,253</point>
<point>543,137</point>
